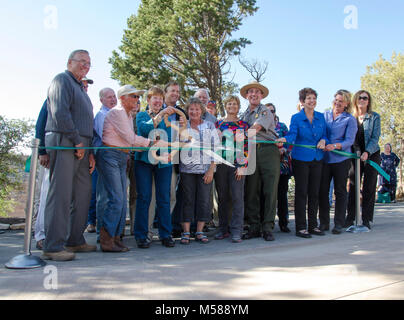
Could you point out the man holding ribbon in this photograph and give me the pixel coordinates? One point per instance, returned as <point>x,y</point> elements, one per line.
<point>267,169</point>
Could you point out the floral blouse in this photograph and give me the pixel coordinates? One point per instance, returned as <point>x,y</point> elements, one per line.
<point>240,160</point>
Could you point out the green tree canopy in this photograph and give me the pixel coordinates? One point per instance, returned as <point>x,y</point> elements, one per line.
<point>13,133</point>
<point>184,40</point>
<point>385,81</point>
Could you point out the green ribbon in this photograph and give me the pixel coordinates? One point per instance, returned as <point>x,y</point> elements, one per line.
<point>339,152</point>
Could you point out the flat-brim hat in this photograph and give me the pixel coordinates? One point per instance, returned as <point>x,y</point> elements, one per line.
<point>254,84</point>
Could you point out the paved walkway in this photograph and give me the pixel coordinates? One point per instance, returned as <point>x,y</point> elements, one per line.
<point>347,266</point>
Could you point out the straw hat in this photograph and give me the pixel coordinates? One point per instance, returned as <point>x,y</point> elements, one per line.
<point>254,84</point>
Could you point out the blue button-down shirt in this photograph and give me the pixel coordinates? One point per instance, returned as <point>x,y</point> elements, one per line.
<point>99,126</point>
<point>303,132</point>
<point>340,130</point>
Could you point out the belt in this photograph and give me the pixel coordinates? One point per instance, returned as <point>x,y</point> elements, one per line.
<point>123,150</point>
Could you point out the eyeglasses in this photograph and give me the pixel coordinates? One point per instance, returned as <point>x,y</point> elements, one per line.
<point>134,96</point>
<point>364,98</point>
<point>83,62</point>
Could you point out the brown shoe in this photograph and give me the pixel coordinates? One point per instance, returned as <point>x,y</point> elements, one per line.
<point>91,228</point>
<point>81,248</point>
<point>39,245</point>
<point>107,242</point>
<point>119,243</point>
<point>58,256</point>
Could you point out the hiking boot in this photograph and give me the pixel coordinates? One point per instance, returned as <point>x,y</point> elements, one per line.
<point>107,242</point>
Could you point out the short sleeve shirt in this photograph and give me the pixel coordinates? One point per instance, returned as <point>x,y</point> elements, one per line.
<point>263,116</point>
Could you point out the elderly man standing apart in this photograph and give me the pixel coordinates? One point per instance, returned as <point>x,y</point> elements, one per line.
<point>69,124</point>
<point>118,132</point>
<point>267,171</point>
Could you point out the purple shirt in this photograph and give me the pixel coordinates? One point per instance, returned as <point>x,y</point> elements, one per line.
<point>341,130</point>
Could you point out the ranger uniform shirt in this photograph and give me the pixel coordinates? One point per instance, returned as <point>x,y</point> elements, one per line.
<point>263,116</point>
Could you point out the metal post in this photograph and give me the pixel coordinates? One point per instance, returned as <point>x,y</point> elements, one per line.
<point>357,228</point>
<point>27,261</point>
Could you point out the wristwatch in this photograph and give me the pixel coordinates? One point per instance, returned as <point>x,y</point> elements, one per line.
<point>335,146</point>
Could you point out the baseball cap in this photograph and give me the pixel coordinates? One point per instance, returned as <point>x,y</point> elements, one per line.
<point>128,89</point>
<point>88,80</point>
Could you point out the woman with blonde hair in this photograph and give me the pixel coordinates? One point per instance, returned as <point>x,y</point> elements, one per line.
<point>367,143</point>
<point>341,130</point>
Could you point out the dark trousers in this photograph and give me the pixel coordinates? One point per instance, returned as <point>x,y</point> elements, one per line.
<point>195,198</point>
<point>369,175</point>
<point>92,211</point>
<point>176,215</point>
<point>226,182</point>
<point>338,171</point>
<point>283,212</point>
<point>266,175</point>
<point>307,187</point>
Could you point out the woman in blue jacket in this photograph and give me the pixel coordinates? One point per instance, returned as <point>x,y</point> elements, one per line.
<point>367,143</point>
<point>307,127</point>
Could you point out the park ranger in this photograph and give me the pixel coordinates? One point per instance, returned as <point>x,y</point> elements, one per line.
<point>266,175</point>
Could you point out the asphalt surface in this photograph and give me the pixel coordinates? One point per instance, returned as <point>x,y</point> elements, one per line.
<point>357,266</point>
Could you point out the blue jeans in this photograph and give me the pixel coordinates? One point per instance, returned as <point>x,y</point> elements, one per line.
<point>162,177</point>
<point>112,171</point>
<point>92,212</point>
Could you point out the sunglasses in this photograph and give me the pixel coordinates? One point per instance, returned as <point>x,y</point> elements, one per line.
<point>363,98</point>
<point>134,96</point>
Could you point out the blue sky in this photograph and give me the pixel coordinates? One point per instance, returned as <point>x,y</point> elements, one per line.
<point>304,42</point>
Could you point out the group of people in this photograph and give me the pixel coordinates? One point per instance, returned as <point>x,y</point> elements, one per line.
<point>166,151</point>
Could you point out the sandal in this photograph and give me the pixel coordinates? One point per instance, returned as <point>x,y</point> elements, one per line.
<point>317,232</point>
<point>303,234</point>
<point>185,238</point>
<point>200,237</point>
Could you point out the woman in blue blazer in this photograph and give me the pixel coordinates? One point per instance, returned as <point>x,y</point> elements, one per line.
<point>307,127</point>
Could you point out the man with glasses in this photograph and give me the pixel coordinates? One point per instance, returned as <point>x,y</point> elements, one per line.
<point>111,163</point>
<point>69,124</point>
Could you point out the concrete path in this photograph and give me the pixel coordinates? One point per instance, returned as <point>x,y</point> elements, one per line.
<point>347,266</point>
